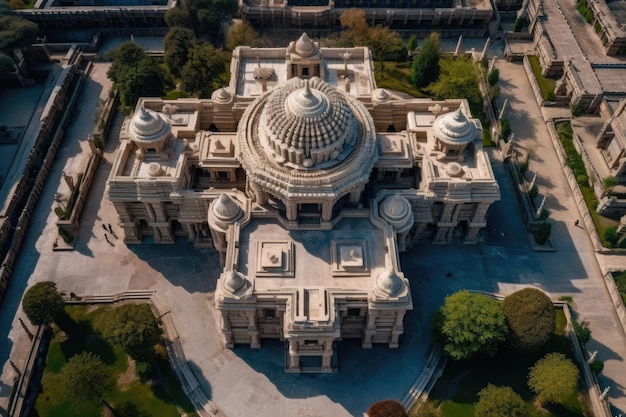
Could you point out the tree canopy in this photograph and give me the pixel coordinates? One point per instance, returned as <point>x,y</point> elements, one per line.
<point>459,78</point>
<point>135,74</point>
<point>177,43</point>
<point>469,323</point>
<point>6,64</point>
<point>386,408</point>
<point>16,32</point>
<point>42,303</point>
<point>553,378</point>
<point>200,76</point>
<point>531,316</point>
<point>86,378</point>
<point>500,402</point>
<point>207,15</point>
<point>243,34</point>
<point>134,328</point>
<point>425,68</point>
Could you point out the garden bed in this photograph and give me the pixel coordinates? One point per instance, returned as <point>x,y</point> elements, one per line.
<point>456,392</point>
<point>78,331</point>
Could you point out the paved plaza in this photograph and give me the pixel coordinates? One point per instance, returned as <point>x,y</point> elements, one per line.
<point>244,381</point>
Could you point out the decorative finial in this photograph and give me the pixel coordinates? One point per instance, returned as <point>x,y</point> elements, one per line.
<point>307,89</point>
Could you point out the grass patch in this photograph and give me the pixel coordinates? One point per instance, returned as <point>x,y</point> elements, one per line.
<point>78,330</point>
<point>575,162</point>
<point>546,85</point>
<point>396,76</point>
<point>620,281</point>
<point>456,391</point>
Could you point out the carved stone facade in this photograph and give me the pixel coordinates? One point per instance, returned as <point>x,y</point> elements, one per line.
<point>309,181</point>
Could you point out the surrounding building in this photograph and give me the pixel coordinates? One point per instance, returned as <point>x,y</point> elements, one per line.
<point>309,181</point>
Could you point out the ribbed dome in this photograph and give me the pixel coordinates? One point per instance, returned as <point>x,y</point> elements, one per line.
<point>305,46</point>
<point>454,128</point>
<point>233,281</point>
<point>389,282</point>
<point>221,95</point>
<point>397,211</point>
<point>380,94</point>
<point>226,210</point>
<point>308,123</point>
<point>148,127</point>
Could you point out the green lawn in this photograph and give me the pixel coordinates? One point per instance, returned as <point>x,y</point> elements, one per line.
<point>77,331</point>
<point>396,77</point>
<point>546,85</point>
<point>456,392</point>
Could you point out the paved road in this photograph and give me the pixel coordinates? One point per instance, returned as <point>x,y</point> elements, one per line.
<point>243,381</point>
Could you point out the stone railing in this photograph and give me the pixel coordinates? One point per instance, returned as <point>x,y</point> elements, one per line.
<point>616,297</point>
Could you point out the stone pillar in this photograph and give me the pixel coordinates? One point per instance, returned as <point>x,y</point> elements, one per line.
<point>327,356</point>
<point>253,331</point>
<point>159,212</point>
<point>370,328</point>
<point>226,331</point>
<point>294,356</point>
<point>165,230</point>
<point>150,211</point>
<point>191,232</point>
<point>355,195</point>
<point>327,211</point>
<point>292,210</point>
<point>458,45</point>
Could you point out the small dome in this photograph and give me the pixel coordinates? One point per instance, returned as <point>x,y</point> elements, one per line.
<point>397,211</point>
<point>226,210</point>
<point>389,282</point>
<point>454,128</point>
<point>454,169</point>
<point>148,127</point>
<point>380,94</point>
<point>154,170</point>
<point>221,95</point>
<point>233,281</point>
<point>305,46</point>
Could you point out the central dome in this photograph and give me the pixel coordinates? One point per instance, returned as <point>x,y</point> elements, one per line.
<point>308,124</point>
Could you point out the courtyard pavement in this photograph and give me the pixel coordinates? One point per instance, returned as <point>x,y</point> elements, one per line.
<point>244,381</point>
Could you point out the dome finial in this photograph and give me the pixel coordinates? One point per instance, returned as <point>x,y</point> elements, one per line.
<point>307,89</point>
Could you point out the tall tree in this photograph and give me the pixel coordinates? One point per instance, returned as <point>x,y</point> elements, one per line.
<point>177,44</point>
<point>411,45</point>
<point>178,16</point>
<point>42,303</point>
<point>425,67</point>
<point>459,78</point>
<point>86,378</point>
<point>469,323</point>
<point>384,43</point>
<point>554,378</point>
<point>531,316</point>
<point>357,28</point>
<point>135,74</point>
<point>500,402</point>
<point>208,15</point>
<point>134,328</point>
<point>201,74</point>
<point>16,32</point>
<point>243,34</point>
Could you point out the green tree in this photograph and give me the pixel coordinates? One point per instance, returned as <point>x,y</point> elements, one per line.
<point>386,408</point>
<point>243,34</point>
<point>207,16</point>
<point>531,316</point>
<point>425,67</point>
<point>134,328</point>
<point>500,402</point>
<point>201,75</point>
<point>384,44</point>
<point>135,74</point>
<point>411,45</point>
<point>554,378</point>
<point>177,43</point>
<point>493,77</point>
<point>86,378</point>
<point>469,323</point>
<point>16,32</point>
<point>42,303</point>
<point>582,331</point>
<point>178,17</point>
<point>459,78</point>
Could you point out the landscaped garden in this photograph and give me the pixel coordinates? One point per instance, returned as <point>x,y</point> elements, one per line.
<point>604,225</point>
<point>514,376</point>
<point>546,85</point>
<point>82,341</point>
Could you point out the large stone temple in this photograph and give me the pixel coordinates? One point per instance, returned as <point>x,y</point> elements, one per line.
<point>309,181</point>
